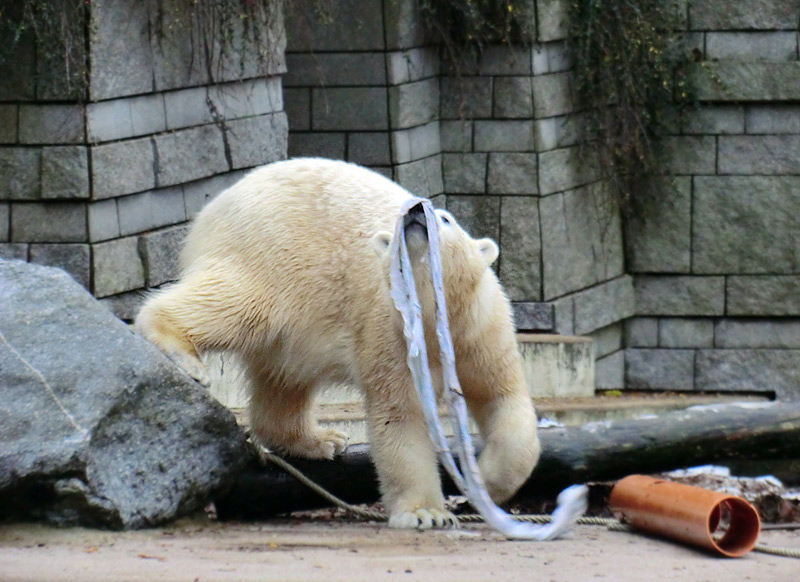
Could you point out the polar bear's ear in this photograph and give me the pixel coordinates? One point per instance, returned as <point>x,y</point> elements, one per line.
<point>489,251</point>
<point>381,242</point>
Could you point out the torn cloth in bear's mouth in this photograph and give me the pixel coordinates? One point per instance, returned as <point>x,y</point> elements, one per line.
<point>572,501</point>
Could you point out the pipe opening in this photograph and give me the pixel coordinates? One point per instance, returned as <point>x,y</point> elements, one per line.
<point>734,526</point>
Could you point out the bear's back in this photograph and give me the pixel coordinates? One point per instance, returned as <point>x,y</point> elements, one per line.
<point>305,209</point>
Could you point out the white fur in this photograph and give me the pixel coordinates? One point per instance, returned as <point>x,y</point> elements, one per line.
<point>289,269</point>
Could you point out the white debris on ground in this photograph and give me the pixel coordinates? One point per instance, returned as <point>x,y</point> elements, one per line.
<point>774,501</point>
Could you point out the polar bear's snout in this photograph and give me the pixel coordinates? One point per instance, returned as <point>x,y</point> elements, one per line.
<point>416,230</point>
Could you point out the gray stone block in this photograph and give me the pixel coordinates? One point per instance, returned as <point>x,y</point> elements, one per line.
<point>564,169</point>
<point>688,154</point>
<point>685,333</point>
<point>349,109</point>
<point>335,69</point>
<point>355,25</point>
<point>254,141</point>
<point>552,19</point>
<point>188,107</point>
<point>5,222</point>
<point>742,81</point>
<point>190,154</point>
<point>65,172</point>
<point>404,28</point>
<point>773,118</point>
<point>17,83</point>
<point>557,366</point>
<point>680,295</point>
<point>72,258</point>
<point>513,97</point>
<point>745,224</point>
<point>659,233</point>
<point>148,210</point>
<point>641,332</point>
<point>414,104</point>
<point>604,304</point>
<point>297,103</point>
<point>504,136</point>
<point>564,314</point>
<point>198,193</point>
<point>51,124</point>
<point>103,220</point>
<point>412,65</point>
<point>160,251</point>
<point>759,154</point>
<point>609,372</point>
<point>416,143</point>
<point>148,114</point>
<point>607,340</point>
<point>714,119</point>
<point>421,178</point>
<point>751,46</point>
<point>20,173</point>
<point>552,95</point>
<point>8,123</point>
<point>324,145</point>
<point>466,97</point>
<point>520,248</point>
<point>757,333</point>
<point>504,59</point>
<point>369,149</point>
<point>763,295</point>
<point>464,173</point>
<point>513,173</point>
<point>14,251</point>
<point>771,371</point>
<point>659,369</point>
<point>744,14</point>
<point>456,136</point>
<point>478,215</point>
<point>122,167</point>
<point>119,34</point>
<point>109,120</point>
<point>125,306</point>
<point>176,60</point>
<point>545,134</point>
<point>581,240</point>
<point>52,222</point>
<point>530,316</point>
<point>117,267</point>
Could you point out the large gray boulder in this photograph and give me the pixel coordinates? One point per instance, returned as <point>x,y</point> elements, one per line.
<point>97,427</point>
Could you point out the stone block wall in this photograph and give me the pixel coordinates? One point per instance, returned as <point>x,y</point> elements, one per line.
<point>100,177</point>
<point>716,261</point>
<point>494,140</point>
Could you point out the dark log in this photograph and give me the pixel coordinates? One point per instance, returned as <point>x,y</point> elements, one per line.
<point>592,452</point>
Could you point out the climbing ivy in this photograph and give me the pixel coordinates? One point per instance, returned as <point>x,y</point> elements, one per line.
<point>629,60</point>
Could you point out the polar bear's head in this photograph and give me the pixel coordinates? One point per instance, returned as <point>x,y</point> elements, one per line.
<point>465,260</point>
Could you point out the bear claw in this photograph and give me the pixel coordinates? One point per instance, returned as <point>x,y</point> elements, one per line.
<point>423,519</point>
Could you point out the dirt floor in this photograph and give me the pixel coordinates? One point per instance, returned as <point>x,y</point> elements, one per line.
<point>203,551</point>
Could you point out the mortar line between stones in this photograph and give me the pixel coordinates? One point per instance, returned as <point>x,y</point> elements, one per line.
<point>42,379</point>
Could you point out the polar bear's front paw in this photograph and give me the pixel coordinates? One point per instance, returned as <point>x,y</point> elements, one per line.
<point>423,519</point>
<point>326,444</point>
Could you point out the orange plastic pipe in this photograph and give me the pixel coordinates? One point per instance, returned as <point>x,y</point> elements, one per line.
<point>718,522</point>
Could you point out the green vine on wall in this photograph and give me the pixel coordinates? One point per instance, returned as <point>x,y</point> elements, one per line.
<point>629,61</point>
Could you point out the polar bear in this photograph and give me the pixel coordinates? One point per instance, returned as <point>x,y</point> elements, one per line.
<point>289,269</point>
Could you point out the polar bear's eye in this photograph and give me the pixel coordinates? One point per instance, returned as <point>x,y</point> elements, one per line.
<point>445,219</point>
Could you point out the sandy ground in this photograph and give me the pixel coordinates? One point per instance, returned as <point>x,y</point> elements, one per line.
<point>205,551</point>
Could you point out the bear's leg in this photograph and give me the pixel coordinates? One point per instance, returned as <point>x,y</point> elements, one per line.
<point>282,419</point>
<point>160,322</point>
<point>498,399</point>
<point>404,457</point>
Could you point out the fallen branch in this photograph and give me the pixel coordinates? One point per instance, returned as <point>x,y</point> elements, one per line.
<point>592,452</point>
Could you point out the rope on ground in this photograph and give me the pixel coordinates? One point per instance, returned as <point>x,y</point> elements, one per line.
<point>612,524</point>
